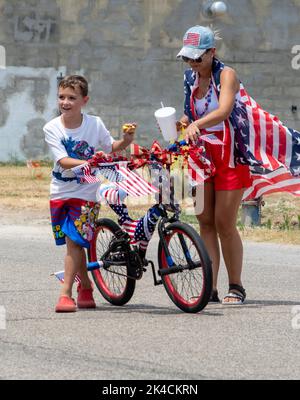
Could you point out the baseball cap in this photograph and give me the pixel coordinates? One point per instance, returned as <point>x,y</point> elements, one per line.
<point>196,41</point>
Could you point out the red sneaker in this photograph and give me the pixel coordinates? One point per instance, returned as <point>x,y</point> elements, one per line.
<point>85,298</point>
<point>65,304</point>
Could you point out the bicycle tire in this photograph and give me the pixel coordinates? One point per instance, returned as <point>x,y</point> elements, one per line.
<point>116,289</point>
<point>199,279</point>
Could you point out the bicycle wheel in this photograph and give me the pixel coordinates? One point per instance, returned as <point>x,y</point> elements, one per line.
<point>189,289</point>
<point>113,282</point>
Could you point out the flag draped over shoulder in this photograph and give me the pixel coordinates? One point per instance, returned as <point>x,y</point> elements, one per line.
<point>256,138</point>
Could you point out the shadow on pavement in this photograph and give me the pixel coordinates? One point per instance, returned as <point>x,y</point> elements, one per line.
<point>268,303</point>
<point>150,309</point>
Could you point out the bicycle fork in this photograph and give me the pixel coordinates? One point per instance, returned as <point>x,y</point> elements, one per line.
<point>172,267</point>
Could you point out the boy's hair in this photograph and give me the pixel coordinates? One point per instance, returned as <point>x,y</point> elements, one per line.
<point>75,81</point>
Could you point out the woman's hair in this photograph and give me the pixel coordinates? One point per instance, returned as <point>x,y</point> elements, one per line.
<point>75,81</point>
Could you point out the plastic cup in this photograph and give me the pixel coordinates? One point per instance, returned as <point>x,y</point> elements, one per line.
<point>166,119</point>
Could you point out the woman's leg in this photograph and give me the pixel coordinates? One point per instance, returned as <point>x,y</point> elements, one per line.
<point>226,211</point>
<point>208,229</point>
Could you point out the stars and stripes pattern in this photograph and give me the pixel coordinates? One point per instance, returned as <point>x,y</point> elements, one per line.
<point>84,174</point>
<point>140,231</point>
<point>111,194</point>
<point>195,172</point>
<point>211,138</point>
<point>134,184</point>
<point>60,275</point>
<point>256,138</point>
<point>130,182</point>
<point>272,182</point>
<point>192,39</point>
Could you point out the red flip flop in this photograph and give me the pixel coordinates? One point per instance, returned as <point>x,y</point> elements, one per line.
<point>65,304</point>
<point>85,298</point>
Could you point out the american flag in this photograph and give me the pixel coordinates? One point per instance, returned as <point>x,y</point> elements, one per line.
<point>112,194</point>
<point>255,138</point>
<point>140,231</point>
<point>192,39</point>
<point>127,180</point>
<point>211,138</point>
<point>259,139</point>
<point>60,275</point>
<point>272,182</point>
<point>84,174</point>
<point>134,184</point>
<point>195,172</point>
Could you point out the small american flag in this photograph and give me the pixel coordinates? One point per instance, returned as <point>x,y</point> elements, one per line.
<point>192,39</point>
<point>60,275</point>
<point>212,139</point>
<point>129,181</point>
<point>195,172</point>
<point>134,184</point>
<point>84,174</point>
<point>110,194</point>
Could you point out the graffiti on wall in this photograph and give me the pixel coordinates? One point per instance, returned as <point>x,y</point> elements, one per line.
<point>28,99</point>
<point>33,28</point>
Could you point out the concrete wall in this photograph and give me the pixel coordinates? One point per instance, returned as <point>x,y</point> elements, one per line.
<point>127,50</point>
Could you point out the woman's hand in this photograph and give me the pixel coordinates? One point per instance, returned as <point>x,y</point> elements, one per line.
<point>181,125</point>
<point>192,133</point>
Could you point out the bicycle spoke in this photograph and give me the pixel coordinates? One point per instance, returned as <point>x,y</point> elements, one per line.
<point>188,283</point>
<point>114,282</point>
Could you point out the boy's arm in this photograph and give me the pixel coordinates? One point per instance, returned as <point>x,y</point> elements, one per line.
<point>69,162</point>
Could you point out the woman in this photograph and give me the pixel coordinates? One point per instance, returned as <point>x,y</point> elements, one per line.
<point>216,102</point>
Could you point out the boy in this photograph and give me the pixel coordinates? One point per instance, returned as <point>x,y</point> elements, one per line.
<point>73,138</point>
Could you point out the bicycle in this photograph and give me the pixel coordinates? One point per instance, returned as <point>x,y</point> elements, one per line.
<point>184,267</point>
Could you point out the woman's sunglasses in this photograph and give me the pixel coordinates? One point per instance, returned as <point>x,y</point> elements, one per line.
<point>198,60</point>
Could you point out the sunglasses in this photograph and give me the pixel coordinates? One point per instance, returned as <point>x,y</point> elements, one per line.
<point>198,60</point>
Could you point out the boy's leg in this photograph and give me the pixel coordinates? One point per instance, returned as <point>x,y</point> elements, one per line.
<point>82,271</point>
<point>75,263</point>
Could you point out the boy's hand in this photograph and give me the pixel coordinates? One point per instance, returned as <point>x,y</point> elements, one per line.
<point>128,132</point>
<point>129,128</point>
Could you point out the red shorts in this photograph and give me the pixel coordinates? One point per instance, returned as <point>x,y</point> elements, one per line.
<point>227,178</point>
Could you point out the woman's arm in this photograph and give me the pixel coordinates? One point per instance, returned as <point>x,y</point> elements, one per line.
<point>229,88</point>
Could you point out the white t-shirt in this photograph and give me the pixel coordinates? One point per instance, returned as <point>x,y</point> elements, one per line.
<point>80,143</point>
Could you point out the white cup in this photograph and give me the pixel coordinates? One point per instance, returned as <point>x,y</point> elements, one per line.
<point>166,119</point>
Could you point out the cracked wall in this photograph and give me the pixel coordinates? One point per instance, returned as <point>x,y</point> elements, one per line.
<point>127,50</point>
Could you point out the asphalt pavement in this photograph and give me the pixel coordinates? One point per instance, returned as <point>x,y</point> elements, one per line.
<point>149,338</point>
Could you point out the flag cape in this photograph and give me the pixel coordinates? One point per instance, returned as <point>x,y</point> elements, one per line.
<point>255,138</point>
